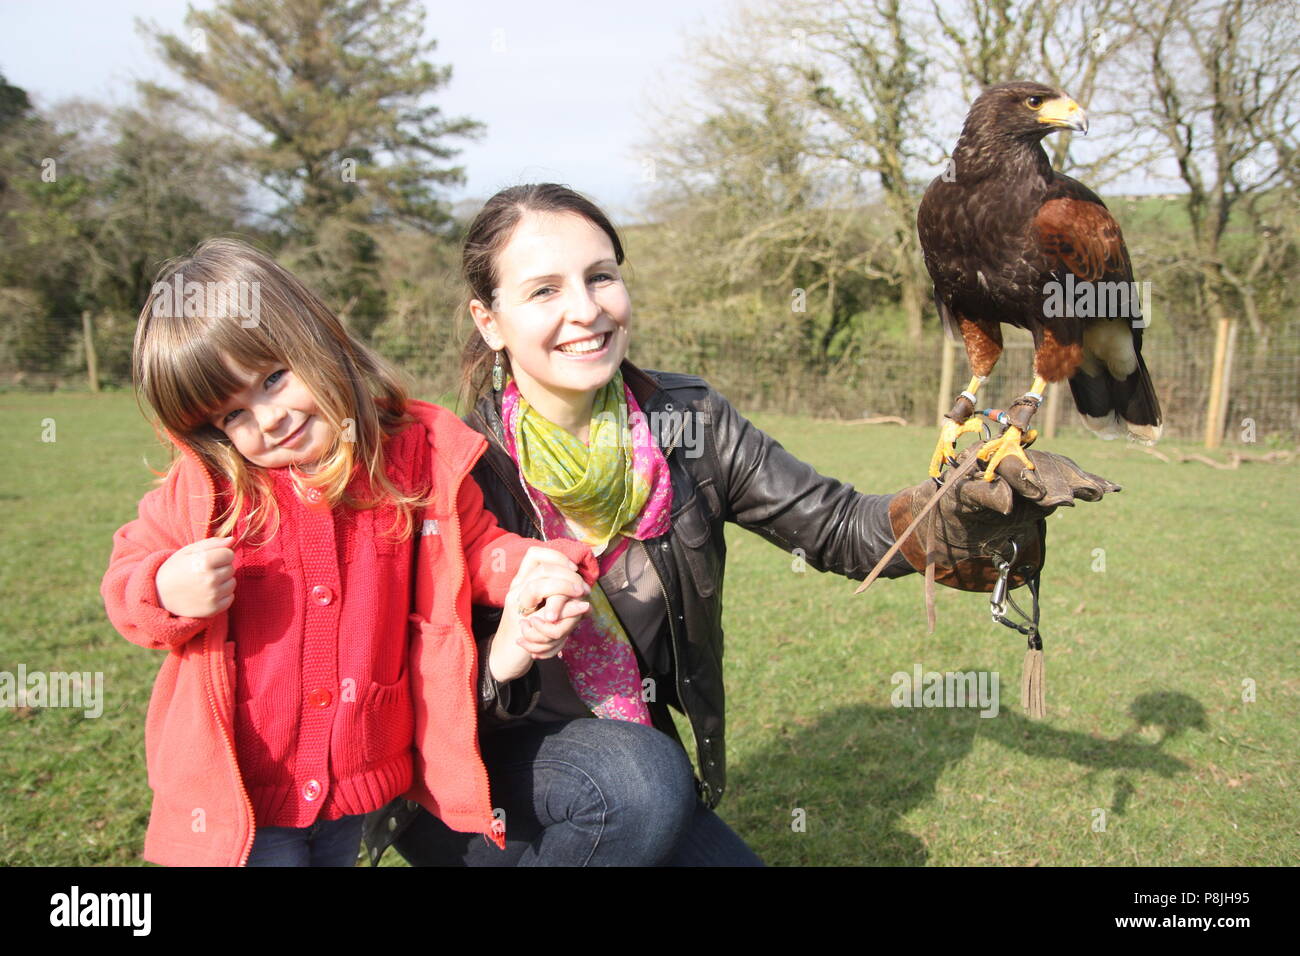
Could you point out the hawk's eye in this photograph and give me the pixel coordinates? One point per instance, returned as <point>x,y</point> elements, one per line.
<point>1034,102</point>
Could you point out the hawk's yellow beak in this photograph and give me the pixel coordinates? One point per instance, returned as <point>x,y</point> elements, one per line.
<point>1065,113</point>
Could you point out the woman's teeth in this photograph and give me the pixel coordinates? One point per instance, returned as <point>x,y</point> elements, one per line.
<point>586,345</point>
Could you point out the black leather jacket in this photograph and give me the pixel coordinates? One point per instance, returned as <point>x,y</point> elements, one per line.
<point>722,469</point>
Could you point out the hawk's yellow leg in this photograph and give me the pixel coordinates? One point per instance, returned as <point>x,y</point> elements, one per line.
<point>952,430</point>
<point>1012,442</point>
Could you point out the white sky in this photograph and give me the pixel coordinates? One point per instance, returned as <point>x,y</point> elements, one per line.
<point>562,85</point>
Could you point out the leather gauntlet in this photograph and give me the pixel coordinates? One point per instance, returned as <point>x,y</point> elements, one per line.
<point>977,520</point>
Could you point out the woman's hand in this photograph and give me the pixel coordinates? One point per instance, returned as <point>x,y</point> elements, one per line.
<point>199,579</point>
<point>979,518</point>
<point>544,604</point>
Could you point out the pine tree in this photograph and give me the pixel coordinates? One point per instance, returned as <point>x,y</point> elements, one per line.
<point>326,101</point>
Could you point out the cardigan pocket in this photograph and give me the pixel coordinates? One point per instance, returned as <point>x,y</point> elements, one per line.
<point>388,720</point>
<point>690,525</point>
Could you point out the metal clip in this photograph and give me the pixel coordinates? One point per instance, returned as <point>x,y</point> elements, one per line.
<point>1001,596</point>
<point>998,599</point>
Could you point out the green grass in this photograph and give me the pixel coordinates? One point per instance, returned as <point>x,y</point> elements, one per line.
<point>1145,664</point>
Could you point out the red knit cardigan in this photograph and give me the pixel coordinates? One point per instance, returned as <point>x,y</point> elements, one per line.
<point>201,812</point>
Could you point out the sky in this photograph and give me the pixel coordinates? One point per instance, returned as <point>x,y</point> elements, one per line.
<point>564,87</point>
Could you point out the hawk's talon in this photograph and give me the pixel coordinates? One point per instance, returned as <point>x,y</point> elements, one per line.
<point>946,450</point>
<point>1007,445</point>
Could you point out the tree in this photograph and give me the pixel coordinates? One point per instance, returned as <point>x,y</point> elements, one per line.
<point>1224,85</point>
<point>94,202</point>
<point>864,74</point>
<point>326,102</point>
<point>1068,44</point>
<point>1224,82</point>
<point>768,240</point>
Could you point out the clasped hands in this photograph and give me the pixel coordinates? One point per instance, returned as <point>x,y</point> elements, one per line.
<point>545,601</point>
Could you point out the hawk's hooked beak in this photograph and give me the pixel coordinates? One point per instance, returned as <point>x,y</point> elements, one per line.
<point>1063,112</point>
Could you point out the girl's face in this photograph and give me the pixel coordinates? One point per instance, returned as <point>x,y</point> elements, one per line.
<point>273,421</point>
<point>560,310</point>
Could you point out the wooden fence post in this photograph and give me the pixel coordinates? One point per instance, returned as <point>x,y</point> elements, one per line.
<point>945,379</point>
<point>1229,354</point>
<point>1052,412</point>
<point>1214,405</point>
<point>92,360</point>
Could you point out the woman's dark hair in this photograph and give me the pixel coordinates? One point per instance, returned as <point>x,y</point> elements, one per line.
<point>487,236</point>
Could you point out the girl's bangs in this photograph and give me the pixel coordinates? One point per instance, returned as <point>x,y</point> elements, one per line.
<point>190,377</point>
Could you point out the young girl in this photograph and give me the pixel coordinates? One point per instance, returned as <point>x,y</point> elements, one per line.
<point>309,562</point>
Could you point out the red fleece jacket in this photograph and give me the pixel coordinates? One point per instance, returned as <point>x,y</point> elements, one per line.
<point>201,812</point>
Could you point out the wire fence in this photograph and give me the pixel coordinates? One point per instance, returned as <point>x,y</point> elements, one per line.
<point>1262,405</point>
<point>1263,387</point>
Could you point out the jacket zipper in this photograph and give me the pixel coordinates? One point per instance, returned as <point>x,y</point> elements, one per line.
<point>212,700</point>
<point>496,827</point>
<point>230,752</point>
<point>672,630</point>
<point>672,641</point>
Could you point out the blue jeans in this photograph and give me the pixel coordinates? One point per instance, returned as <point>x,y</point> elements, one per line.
<point>585,793</point>
<point>324,843</point>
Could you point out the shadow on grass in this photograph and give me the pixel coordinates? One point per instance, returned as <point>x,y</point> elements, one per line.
<point>857,771</point>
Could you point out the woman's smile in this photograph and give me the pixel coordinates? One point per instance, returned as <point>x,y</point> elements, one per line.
<point>592,346</point>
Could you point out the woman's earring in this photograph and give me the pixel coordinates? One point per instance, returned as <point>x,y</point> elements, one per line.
<point>497,374</point>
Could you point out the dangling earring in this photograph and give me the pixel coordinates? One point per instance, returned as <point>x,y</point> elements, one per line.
<point>497,374</point>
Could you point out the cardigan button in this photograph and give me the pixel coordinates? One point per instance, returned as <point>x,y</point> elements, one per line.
<point>320,697</point>
<point>311,790</point>
<point>322,595</point>
<point>314,495</point>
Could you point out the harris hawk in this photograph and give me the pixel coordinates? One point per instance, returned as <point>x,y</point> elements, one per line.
<point>1008,239</point>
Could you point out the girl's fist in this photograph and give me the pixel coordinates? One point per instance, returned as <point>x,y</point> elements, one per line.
<point>199,579</point>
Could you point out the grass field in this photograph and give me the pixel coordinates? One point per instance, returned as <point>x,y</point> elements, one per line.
<point>1162,606</point>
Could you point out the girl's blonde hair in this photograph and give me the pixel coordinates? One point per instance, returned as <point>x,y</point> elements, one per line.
<point>228,300</point>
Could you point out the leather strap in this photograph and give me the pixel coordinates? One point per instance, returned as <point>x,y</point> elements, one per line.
<point>930,505</point>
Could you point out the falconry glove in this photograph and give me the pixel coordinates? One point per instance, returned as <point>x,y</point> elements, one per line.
<point>976,521</point>
<point>992,536</point>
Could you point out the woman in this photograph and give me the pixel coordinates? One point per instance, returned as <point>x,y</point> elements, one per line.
<point>645,467</point>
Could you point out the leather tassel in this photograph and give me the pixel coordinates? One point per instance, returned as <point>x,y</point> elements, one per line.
<point>929,594</point>
<point>930,614</point>
<point>1033,685</point>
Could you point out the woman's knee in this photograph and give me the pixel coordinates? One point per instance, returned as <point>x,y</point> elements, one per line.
<point>631,769</point>
<point>654,770</point>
